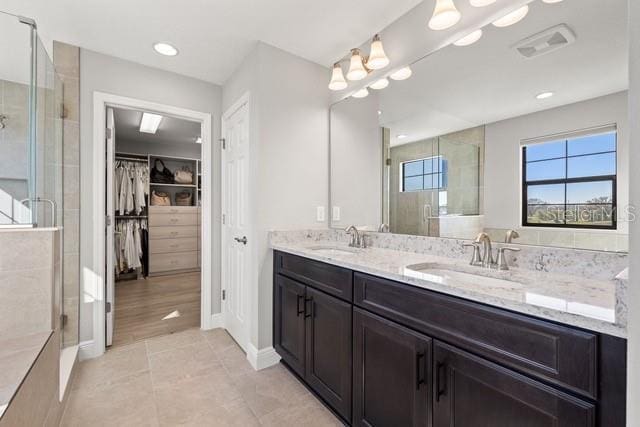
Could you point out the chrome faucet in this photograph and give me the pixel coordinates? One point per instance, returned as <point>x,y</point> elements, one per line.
<point>357,240</point>
<point>487,253</point>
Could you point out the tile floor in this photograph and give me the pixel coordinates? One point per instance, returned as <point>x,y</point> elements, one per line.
<point>195,378</point>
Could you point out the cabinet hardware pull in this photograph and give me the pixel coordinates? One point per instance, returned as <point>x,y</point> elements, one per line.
<point>420,376</point>
<point>310,312</point>
<point>441,389</point>
<point>299,312</point>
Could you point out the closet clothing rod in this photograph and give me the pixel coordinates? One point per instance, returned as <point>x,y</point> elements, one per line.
<point>131,159</point>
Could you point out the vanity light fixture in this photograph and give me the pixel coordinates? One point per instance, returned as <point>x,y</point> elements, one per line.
<point>150,122</point>
<point>481,3</point>
<point>445,15</point>
<point>512,17</point>
<point>165,49</point>
<point>377,58</point>
<point>379,84</point>
<point>401,74</point>
<point>356,67</point>
<point>337,78</point>
<point>544,95</point>
<point>362,93</point>
<point>469,39</point>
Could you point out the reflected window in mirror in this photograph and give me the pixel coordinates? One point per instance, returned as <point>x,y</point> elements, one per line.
<point>570,181</point>
<point>424,174</point>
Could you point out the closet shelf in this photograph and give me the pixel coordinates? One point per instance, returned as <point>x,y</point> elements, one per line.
<point>131,216</point>
<point>159,184</point>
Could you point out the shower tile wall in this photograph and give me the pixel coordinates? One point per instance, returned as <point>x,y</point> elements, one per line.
<point>66,59</point>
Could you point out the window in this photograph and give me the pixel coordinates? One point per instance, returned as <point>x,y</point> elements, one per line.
<point>424,174</point>
<point>571,181</point>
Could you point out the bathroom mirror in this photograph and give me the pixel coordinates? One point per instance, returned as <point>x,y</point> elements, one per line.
<point>524,130</point>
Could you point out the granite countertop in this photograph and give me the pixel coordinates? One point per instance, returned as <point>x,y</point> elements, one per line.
<point>591,304</point>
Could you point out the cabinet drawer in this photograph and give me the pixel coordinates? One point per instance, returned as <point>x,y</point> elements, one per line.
<point>173,209</point>
<point>173,219</point>
<point>331,279</point>
<point>558,354</point>
<point>161,246</point>
<point>172,232</point>
<point>174,261</point>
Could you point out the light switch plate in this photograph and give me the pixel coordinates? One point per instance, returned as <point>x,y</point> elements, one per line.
<point>335,215</point>
<point>320,213</point>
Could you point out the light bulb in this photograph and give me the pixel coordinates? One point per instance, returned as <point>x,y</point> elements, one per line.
<point>445,15</point>
<point>377,58</point>
<point>481,3</point>
<point>379,84</point>
<point>362,93</point>
<point>512,17</point>
<point>337,78</point>
<point>401,74</point>
<point>356,67</point>
<point>469,38</point>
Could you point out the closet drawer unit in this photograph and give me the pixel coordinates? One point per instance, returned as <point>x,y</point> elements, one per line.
<point>173,261</point>
<point>163,246</point>
<point>172,232</point>
<point>160,220</point>
<point>173,209</point>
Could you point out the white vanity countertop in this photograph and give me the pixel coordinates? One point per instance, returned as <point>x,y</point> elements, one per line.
<point>572,300</point>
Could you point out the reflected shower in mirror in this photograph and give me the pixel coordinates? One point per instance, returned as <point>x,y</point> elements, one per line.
<point>523,130</point>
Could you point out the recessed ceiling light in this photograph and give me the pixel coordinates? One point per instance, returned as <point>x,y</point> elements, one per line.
<point>379,112</point>
<point>150,122</point>
<point>401,136</point>
<point>379,84</point>
<point>165,49</point>
<point>362,93</point>
<point>199,140</point>
<point>544,95</point>
<point>512,17</point>
<point>401,74</point>
<point>469,38</point>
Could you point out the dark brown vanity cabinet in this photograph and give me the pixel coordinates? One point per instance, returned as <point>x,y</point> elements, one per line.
<point>383,353</point>
<point>312,334</point>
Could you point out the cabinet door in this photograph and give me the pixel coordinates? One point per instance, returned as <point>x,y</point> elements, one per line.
<point>328,367</point>
<point>471,392</point>
<point>391,373</point>
<point>288,308</point>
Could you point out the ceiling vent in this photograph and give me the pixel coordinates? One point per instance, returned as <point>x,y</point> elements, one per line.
<point>546,41</point>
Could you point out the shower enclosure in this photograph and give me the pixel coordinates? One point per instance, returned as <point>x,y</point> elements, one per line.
<point>31,145</point>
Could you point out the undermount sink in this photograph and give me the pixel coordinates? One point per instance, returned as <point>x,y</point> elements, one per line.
<point>445,274</point>
<point>333,250</point>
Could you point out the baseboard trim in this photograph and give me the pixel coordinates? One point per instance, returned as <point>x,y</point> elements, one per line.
<point>217,321</point>
<point>87,350</point>
<point>261,359</point>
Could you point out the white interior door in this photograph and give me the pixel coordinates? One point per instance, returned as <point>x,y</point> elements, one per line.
<point>236,243</point>
<point>110,298</point>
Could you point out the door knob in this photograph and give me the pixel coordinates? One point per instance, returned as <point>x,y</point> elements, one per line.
<point>242,240</point>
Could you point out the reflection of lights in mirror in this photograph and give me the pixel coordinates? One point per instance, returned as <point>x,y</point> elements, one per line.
<point>362,93</point>
<point>469,39</point>
<point>401,74</point>
<point>481,3</point>
<point>544,95</point>
<point>379,84</point>
<point>512,17</point>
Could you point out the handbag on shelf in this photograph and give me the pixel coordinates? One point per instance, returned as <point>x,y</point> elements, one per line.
<point>160,198</point>
<point>160,174</point>
<point>183,176</point>
<point>183,198</point>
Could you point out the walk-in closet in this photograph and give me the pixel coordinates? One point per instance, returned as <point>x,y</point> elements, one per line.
<point>154,210</point>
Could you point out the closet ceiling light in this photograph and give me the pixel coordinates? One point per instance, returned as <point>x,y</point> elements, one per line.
<point>165,49</point>
<point>362,93</point>
<point>377,58</point>
<point>469,38</point>
<point>481,3</point>
<point>356,67</point>
<point>401,74</point>
<point>150,122</point>
<point>337,78</point>
<point>544,95</point>
<point>512,18</point>
<point>379,84</point>
<point>445,15</point>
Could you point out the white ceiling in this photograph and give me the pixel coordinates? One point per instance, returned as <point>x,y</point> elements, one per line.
<point>461,87</point>
<point>213,36</point>
<point>171,130</point>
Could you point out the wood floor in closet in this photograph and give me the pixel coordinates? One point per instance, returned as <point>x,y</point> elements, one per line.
<point>155,306</point>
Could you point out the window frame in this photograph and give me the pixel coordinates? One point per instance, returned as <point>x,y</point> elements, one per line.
<point>594,178</point>
<point>441,174</point>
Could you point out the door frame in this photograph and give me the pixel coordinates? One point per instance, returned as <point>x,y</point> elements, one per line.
<point>246,346</point>
<point>94,282</point>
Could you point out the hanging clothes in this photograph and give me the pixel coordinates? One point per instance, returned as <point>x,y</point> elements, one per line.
<point>131,245</point>
<point>131,183</point>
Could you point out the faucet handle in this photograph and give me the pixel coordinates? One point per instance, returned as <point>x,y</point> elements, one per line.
<point>476,259</point>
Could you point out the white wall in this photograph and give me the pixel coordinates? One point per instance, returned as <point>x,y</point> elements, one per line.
<point>502,191</point>
<point>112,75</point>
<point>633,303</point>
<point>289,158</point>
<point>356,163</point>
<point>160,148</point>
